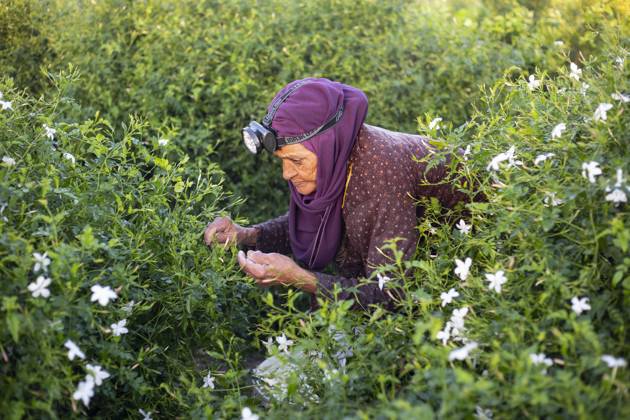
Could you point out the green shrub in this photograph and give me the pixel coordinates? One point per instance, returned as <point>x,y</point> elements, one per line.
<point>116,209</point>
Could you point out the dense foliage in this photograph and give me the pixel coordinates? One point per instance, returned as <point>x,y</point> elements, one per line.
<point>125,143</point>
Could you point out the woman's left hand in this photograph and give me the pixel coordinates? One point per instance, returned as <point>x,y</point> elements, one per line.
<point>276,269</point>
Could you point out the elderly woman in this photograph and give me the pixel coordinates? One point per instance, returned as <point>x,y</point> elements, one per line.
<point>353,187</point>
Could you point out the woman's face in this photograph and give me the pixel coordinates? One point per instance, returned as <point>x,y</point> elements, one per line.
<point>299,166</point>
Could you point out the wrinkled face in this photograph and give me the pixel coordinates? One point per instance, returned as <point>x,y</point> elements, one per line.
<point>299,166</point>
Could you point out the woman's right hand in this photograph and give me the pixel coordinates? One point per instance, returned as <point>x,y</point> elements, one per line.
<point>224,231</point>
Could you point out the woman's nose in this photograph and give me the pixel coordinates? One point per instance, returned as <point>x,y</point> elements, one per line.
<point>288,171</point>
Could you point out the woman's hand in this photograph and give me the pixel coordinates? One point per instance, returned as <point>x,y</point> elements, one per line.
<point>276,269</point>
<point>224,231</point>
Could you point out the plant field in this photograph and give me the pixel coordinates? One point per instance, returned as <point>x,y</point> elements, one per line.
<point>120,140</point>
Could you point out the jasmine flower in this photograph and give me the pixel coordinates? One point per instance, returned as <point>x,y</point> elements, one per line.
<point>463,267</point>
<point>614,362</point>
<point>73,350</point>
<point>283,343</point>
<point>496,280</point>
<point>543,157</point>
<point>208,381</point>
<point>69,157</point>
<point>463,227</point>
<point>557,130</point>
<point>576,72</point>
<point>382,280</point>
<point>97,373</point>
<point>102,294</point>
<point>620,97</point>
<point>119,328</point>
<point>39,287</point>
<point>85,390</point>
<point>50,132</point>
<point>462,353</point>
<point>246,414</point>
<point>434,123</point>
<point>590,170</point>
<point>448,296</point>
<point>580,305</point>
<point>41,262</point>
<point>7,160</point>
<point>533,83</point>
<point>600,112</point>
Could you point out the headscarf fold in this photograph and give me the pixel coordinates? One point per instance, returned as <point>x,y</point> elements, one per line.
<point>315,220</point>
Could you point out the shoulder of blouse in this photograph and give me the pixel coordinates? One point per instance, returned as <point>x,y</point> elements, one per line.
<point>380,156</point>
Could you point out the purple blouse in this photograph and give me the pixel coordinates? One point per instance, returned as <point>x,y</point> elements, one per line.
<point>379,205</point>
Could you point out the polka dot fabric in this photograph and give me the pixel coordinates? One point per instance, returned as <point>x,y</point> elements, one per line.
<point>380,205</point>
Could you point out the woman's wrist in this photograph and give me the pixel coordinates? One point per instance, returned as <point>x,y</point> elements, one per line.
<point>306,280</point>
<point>248,236</point>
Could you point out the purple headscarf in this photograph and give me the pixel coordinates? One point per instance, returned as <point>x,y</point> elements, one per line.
<point>315,221</point>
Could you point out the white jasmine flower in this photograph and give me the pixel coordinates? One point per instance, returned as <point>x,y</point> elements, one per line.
<point>69,157</point>
<point>540,358</point>
<point>496,280</point>
<point>97,373</point>
<point>457,320</point>
<point>246,414</point>
<point>208,381</point>
<point>119,328</point>
<point>482,413</point>
<point>283,343</point>
<point>462,353</point>
<point>533,83</point>
<point>434,123</point>
<point>543,157</point>
<point>620,97</point>
<point>163,142</point>
<point>590,170</point>
<point>562,91</point>
<point>128,307</point>
<point>145,415</point>
<point>600,112</point>
<point>73,350</point>
<point>580,305</point>
<point>557,130</point>
<point>382,280</point>
<point>502,157</point>
<point>463,267</point>
<point>617,196</point>
<point>576,72</point>
<point>444,335</point>
<point>550,198</point>
<point>584,88</point>
<point>619,61</point>
<point>85,390</point>
<point>9,161</point>
<point>614,362</point>
<point>50,132</point>
<point>41,261</point>
<point>102,294</point>
<point>558,43</point>
<point>6,105</point>
<point>268,344</point>
<point>463,227</point>
<point>39,287</point>
<point>466,152</point>
<point>448,296</point>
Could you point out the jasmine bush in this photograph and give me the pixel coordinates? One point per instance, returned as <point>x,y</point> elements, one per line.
<point>113,307</point>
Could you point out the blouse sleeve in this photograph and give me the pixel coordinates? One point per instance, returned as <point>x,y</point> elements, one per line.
<point>393,216</point>
<point>273,235</point>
